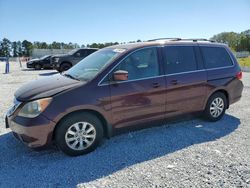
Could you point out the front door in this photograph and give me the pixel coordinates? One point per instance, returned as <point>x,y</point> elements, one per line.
<point>46,62</point>
<point>142,97</point>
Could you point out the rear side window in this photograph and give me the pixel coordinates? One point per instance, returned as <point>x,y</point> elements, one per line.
<point>179,59</point>
<point>215,57</point>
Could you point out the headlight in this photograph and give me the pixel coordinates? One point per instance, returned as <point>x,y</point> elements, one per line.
<point>56,59</point>
<point>34,108</point>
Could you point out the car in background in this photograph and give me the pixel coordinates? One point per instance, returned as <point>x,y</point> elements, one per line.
<point>40,63</point>
<point>66,61</point>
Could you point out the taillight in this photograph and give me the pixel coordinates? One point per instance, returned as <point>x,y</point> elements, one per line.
<point>239,75</point>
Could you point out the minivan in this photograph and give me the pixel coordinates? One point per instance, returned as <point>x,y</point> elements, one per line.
<point>125,86</point>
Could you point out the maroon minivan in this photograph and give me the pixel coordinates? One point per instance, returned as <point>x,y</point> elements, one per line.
<point>122,86</point>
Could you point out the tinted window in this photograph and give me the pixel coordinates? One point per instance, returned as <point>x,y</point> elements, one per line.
<point>140,64</point>
<point>83,53</point>
<point>179,59</point>
<point>215,57</point>
<point>90,51</point>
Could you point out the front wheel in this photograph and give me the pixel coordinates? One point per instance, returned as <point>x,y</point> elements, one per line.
<point>79,134</point>
<point>64,67</point>
<point>216,107</point>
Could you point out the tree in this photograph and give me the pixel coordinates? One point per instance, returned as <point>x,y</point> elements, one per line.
<point>245,41</point>
<point>55,45</point>
<point>19,48</point>
<point>5,47</point>
<point>101,45</point>
<point>14,48</point>
<point>27,48</point>
<point>44,45</point>
<point>230,38</point>
<point>1,49</point>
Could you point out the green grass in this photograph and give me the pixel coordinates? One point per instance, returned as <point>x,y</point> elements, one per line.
<point>244,61</point>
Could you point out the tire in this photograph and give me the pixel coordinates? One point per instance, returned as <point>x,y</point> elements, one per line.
<point>64,67</point>
<point>38,67</point>
<point>215,107</point>
<point>70,143</point>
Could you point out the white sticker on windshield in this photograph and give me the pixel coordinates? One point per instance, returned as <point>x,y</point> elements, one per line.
<point>119,50</point>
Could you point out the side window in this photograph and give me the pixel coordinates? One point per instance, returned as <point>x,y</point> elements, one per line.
<point>80,53</point>
<point>140,64</point>
<point>215,57</point>
<point>179,59</point>
<point>90,51</point>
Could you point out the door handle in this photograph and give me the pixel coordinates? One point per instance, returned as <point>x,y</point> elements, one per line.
<point>174,82</point>
<point>155,85</point>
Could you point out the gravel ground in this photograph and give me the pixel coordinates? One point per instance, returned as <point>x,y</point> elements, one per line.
<point>191,153</point>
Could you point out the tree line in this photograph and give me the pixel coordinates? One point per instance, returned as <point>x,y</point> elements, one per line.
<point>24,48</point>
<point>236,41</point>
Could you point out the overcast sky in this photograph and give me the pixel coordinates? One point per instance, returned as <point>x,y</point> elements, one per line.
<point>88,21</point>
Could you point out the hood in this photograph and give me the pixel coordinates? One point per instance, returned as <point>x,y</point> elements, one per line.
<point>32,60</point>
<point>45,87</point>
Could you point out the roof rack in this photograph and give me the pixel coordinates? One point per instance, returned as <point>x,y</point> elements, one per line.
<point>180,39</point>
<point>198,39</point>
<point>171,39</point>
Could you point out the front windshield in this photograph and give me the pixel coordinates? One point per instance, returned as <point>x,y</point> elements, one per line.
<point>90,66</point>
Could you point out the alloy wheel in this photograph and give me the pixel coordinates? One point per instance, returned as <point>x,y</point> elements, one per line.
<point>217,107</point>
<point>80,135</point>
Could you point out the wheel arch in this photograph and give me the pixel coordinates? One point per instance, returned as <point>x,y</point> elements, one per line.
<point>221,90</point>
<point>65,62</point>
<point>107,128</point>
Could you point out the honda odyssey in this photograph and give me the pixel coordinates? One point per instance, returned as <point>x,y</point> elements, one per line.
<point>123,86</point>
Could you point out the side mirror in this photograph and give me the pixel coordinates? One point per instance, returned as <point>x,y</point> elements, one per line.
<point>78,54</point>
<point>120,75</point>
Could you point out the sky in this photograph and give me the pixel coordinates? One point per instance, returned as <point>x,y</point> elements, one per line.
<point>89,21</point>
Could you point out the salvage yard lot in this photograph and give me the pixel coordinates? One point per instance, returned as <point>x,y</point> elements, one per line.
<point>182,154</point>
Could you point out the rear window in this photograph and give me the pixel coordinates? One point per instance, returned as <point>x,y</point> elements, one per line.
<point>215,57</point>
<point>179,59</point>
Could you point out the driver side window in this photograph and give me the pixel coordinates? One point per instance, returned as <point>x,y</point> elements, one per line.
<point>140,64</point>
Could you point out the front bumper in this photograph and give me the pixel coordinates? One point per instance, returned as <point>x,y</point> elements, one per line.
<point>30,65</point>
<point>34,132</point>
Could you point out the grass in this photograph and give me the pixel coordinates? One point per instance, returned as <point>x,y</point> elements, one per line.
<point>244,61</point>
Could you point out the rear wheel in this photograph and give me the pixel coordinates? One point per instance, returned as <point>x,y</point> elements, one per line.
<point>64,67</point>
<point>216,107</point>
<point>79,134</point>
<point>38,67</point>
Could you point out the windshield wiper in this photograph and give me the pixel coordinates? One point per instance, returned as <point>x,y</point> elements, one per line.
<point>70,76</point>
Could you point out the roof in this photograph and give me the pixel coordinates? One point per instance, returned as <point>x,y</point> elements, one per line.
<point>88,48</point>
<point>164,41</point>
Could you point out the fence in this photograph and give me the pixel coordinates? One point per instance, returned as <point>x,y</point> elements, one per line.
<point>36,53</point>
